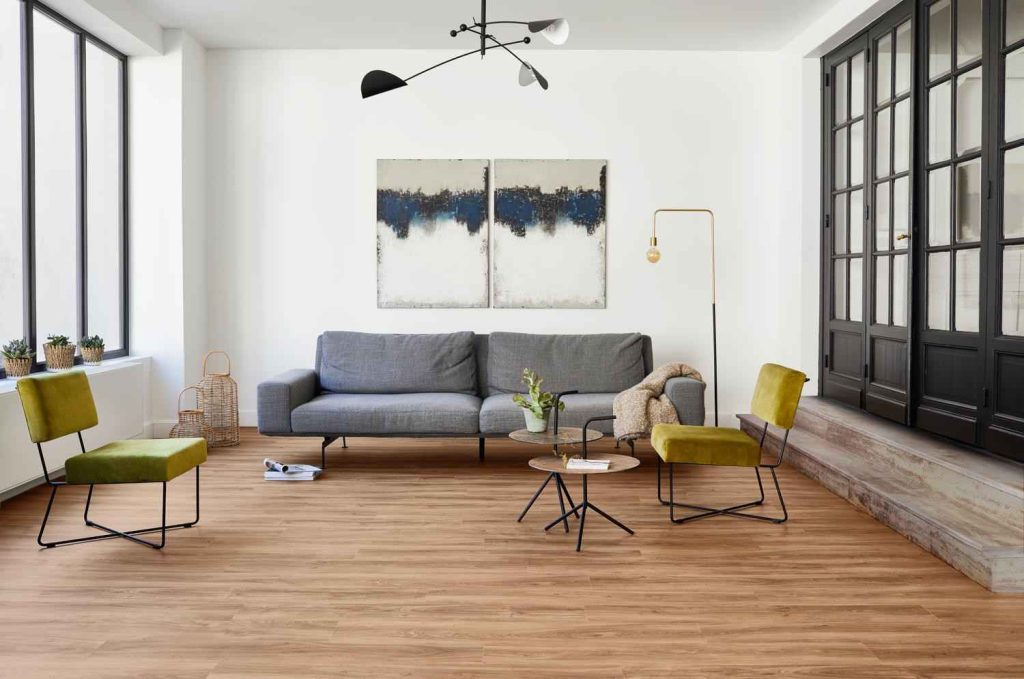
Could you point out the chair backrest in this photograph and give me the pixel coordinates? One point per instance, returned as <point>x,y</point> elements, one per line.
<point>57,405</point>
<point>777,394</point>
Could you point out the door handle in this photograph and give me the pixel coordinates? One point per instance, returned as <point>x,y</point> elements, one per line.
<point>903,236</point>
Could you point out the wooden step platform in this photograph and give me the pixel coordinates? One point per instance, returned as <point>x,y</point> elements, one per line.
<point>965,507</point>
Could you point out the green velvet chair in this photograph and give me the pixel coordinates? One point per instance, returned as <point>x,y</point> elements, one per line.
<point>60,405</point>
<point>775,401</point>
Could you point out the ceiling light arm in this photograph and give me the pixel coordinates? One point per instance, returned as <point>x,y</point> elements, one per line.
<point>446,61</point>
<point>504,45</point>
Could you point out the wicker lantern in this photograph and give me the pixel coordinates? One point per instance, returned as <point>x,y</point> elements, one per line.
<point>218,399</point>
<point>191,423</point>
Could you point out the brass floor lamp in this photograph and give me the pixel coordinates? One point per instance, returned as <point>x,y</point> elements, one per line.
<point>654,256</point>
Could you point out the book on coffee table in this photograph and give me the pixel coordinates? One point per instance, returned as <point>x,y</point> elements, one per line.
<point>579,464</point>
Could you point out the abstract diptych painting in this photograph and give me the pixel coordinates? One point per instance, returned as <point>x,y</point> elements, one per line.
<point>432,230</point>
<point>549,236</point>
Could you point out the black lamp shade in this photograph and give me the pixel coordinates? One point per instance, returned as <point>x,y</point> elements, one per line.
<point>378,82</point>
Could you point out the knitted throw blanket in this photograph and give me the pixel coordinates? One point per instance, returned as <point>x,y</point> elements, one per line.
<point>639,408</point>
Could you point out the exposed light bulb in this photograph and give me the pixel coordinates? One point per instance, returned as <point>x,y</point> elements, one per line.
<point>653,254</point>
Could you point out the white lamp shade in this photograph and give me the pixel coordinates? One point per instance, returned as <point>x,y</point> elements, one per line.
<point>526,76</point>
<point>558,32</point>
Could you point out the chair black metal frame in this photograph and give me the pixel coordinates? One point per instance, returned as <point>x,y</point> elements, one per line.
<point>728,511</point>
<point>110,532</point>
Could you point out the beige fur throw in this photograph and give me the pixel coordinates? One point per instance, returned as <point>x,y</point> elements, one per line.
<point>639,408</point>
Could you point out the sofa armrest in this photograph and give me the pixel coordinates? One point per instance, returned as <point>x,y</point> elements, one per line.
<point>277,397</point>
<point>687,395</point>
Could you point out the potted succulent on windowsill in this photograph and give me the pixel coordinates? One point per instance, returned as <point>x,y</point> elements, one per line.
<point>537,407</point>
<point>60,352</point>
<point>92,350</point>
<point>17,358</point>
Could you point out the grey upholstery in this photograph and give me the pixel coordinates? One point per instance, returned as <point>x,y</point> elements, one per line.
<point>368,363</point>
<point>500,415</point>
<point>277,397</point>
<point>687,395</point>
<point>588,363</point>
<point>428,413</point>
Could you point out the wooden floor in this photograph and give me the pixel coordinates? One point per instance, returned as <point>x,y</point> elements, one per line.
<point>405,560</point>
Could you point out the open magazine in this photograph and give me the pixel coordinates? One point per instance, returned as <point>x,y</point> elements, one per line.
<point>580,464</point>
<point>277,471</point>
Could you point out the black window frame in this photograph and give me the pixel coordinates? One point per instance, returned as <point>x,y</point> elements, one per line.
<point>82,37</point>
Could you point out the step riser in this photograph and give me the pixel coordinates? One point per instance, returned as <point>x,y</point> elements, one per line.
<point>998,572</point>
<point>959,488</point>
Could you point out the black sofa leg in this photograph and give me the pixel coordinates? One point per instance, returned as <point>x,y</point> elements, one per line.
<point>344,442</point>
<point>328,440</point>
<point>480,448</point>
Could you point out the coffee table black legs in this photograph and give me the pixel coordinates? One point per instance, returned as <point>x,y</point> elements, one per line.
<point>582,508</point>
<point>563,495</point>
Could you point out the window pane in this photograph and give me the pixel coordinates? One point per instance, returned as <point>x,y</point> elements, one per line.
<point>901,137</point>
<point>901,211</point>
<point>839,225</point>
<point>968,31</point>
<point>840,148</point>
<point>899,290</point>
<point>856,221</point>
<point>1013,193</point>
<point>882,160</point>
<point>883,69</point>
<point>938,291</point>
<point>968,112</point>
<point>856,289</point>
<point>882,290</point>
<point>968,201</point>
<point>103,158</point>
<point>1014,21</point>
<point>56,225</point>
<point>939,123</point>
<point>939,206</point>
<point>857,154</point>
<point>1013,290</point>
<point>1014,128</point>
<point>881,213</point>
<point>839,290</point>
<point>840,97</point>
<point>903,56</point>
<point>938,39</point>
<point>968,280</point>
<point>857,85</point>
<point>11,283</point>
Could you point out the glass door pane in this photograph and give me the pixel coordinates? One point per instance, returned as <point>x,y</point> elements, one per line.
<point>968,282</point>
<point>1013,290</point>
<point>1013,193</point>
<point>938,291</point>
<point>882,290</point>
<point>939,22</point>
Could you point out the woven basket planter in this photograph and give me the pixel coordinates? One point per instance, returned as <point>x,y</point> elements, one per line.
<point>17,367</point>
<point>92,355</point>
<point>59,358</point>
<point>218,399</point>
<point>191,423</point>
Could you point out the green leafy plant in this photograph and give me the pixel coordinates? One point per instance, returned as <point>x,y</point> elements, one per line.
<point>94,342</point>
<point>17,349</point>
<point>58,340</point>
<point>539,402</point>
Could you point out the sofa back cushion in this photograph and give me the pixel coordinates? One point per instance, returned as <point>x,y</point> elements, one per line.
<point>605,363</point>
<point>370,363</point>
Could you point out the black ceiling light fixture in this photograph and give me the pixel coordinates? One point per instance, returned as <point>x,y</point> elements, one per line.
<point>555,30</point>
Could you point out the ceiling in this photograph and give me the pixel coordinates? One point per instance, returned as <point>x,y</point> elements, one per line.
<point>742,25</point>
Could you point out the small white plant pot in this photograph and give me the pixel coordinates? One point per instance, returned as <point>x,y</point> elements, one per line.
<point>536,424</point>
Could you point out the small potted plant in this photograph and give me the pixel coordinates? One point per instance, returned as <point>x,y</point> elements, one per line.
<point>92,350</point>
<point>17,358</point>
<point>537,404</point>
<point>60,352</point>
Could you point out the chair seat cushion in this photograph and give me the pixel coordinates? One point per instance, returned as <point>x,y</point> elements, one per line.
<point>705,445</point>
<point>353,414</point>
<point>500,415</point>
<point>136,461</point>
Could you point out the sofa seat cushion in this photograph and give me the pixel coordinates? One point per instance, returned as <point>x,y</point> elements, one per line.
<point>500,415</point>
<point>370,363</point>
<point>136,461</point>
<point>427,413</point>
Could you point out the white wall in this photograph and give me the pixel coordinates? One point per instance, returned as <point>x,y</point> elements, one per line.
<point>291,152</point>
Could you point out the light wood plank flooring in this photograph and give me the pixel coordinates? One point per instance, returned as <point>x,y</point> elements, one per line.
<point>405,560</point>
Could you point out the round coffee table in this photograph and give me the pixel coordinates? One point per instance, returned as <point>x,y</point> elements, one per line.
<point>555,467</point>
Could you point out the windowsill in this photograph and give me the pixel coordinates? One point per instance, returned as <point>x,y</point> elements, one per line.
<point>8,385</point>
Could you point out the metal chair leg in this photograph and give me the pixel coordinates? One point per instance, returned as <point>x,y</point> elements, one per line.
<point>707,512</point>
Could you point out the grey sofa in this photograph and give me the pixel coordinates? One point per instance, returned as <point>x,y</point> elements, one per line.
<point>455,385</point>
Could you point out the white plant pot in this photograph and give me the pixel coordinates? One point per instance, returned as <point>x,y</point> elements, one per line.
<point>536,424</point>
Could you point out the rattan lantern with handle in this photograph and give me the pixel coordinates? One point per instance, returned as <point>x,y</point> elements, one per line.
<point>218,399</point>
<point>191,423</point>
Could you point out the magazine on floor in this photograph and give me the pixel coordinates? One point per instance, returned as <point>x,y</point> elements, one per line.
<point>277,471</point>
